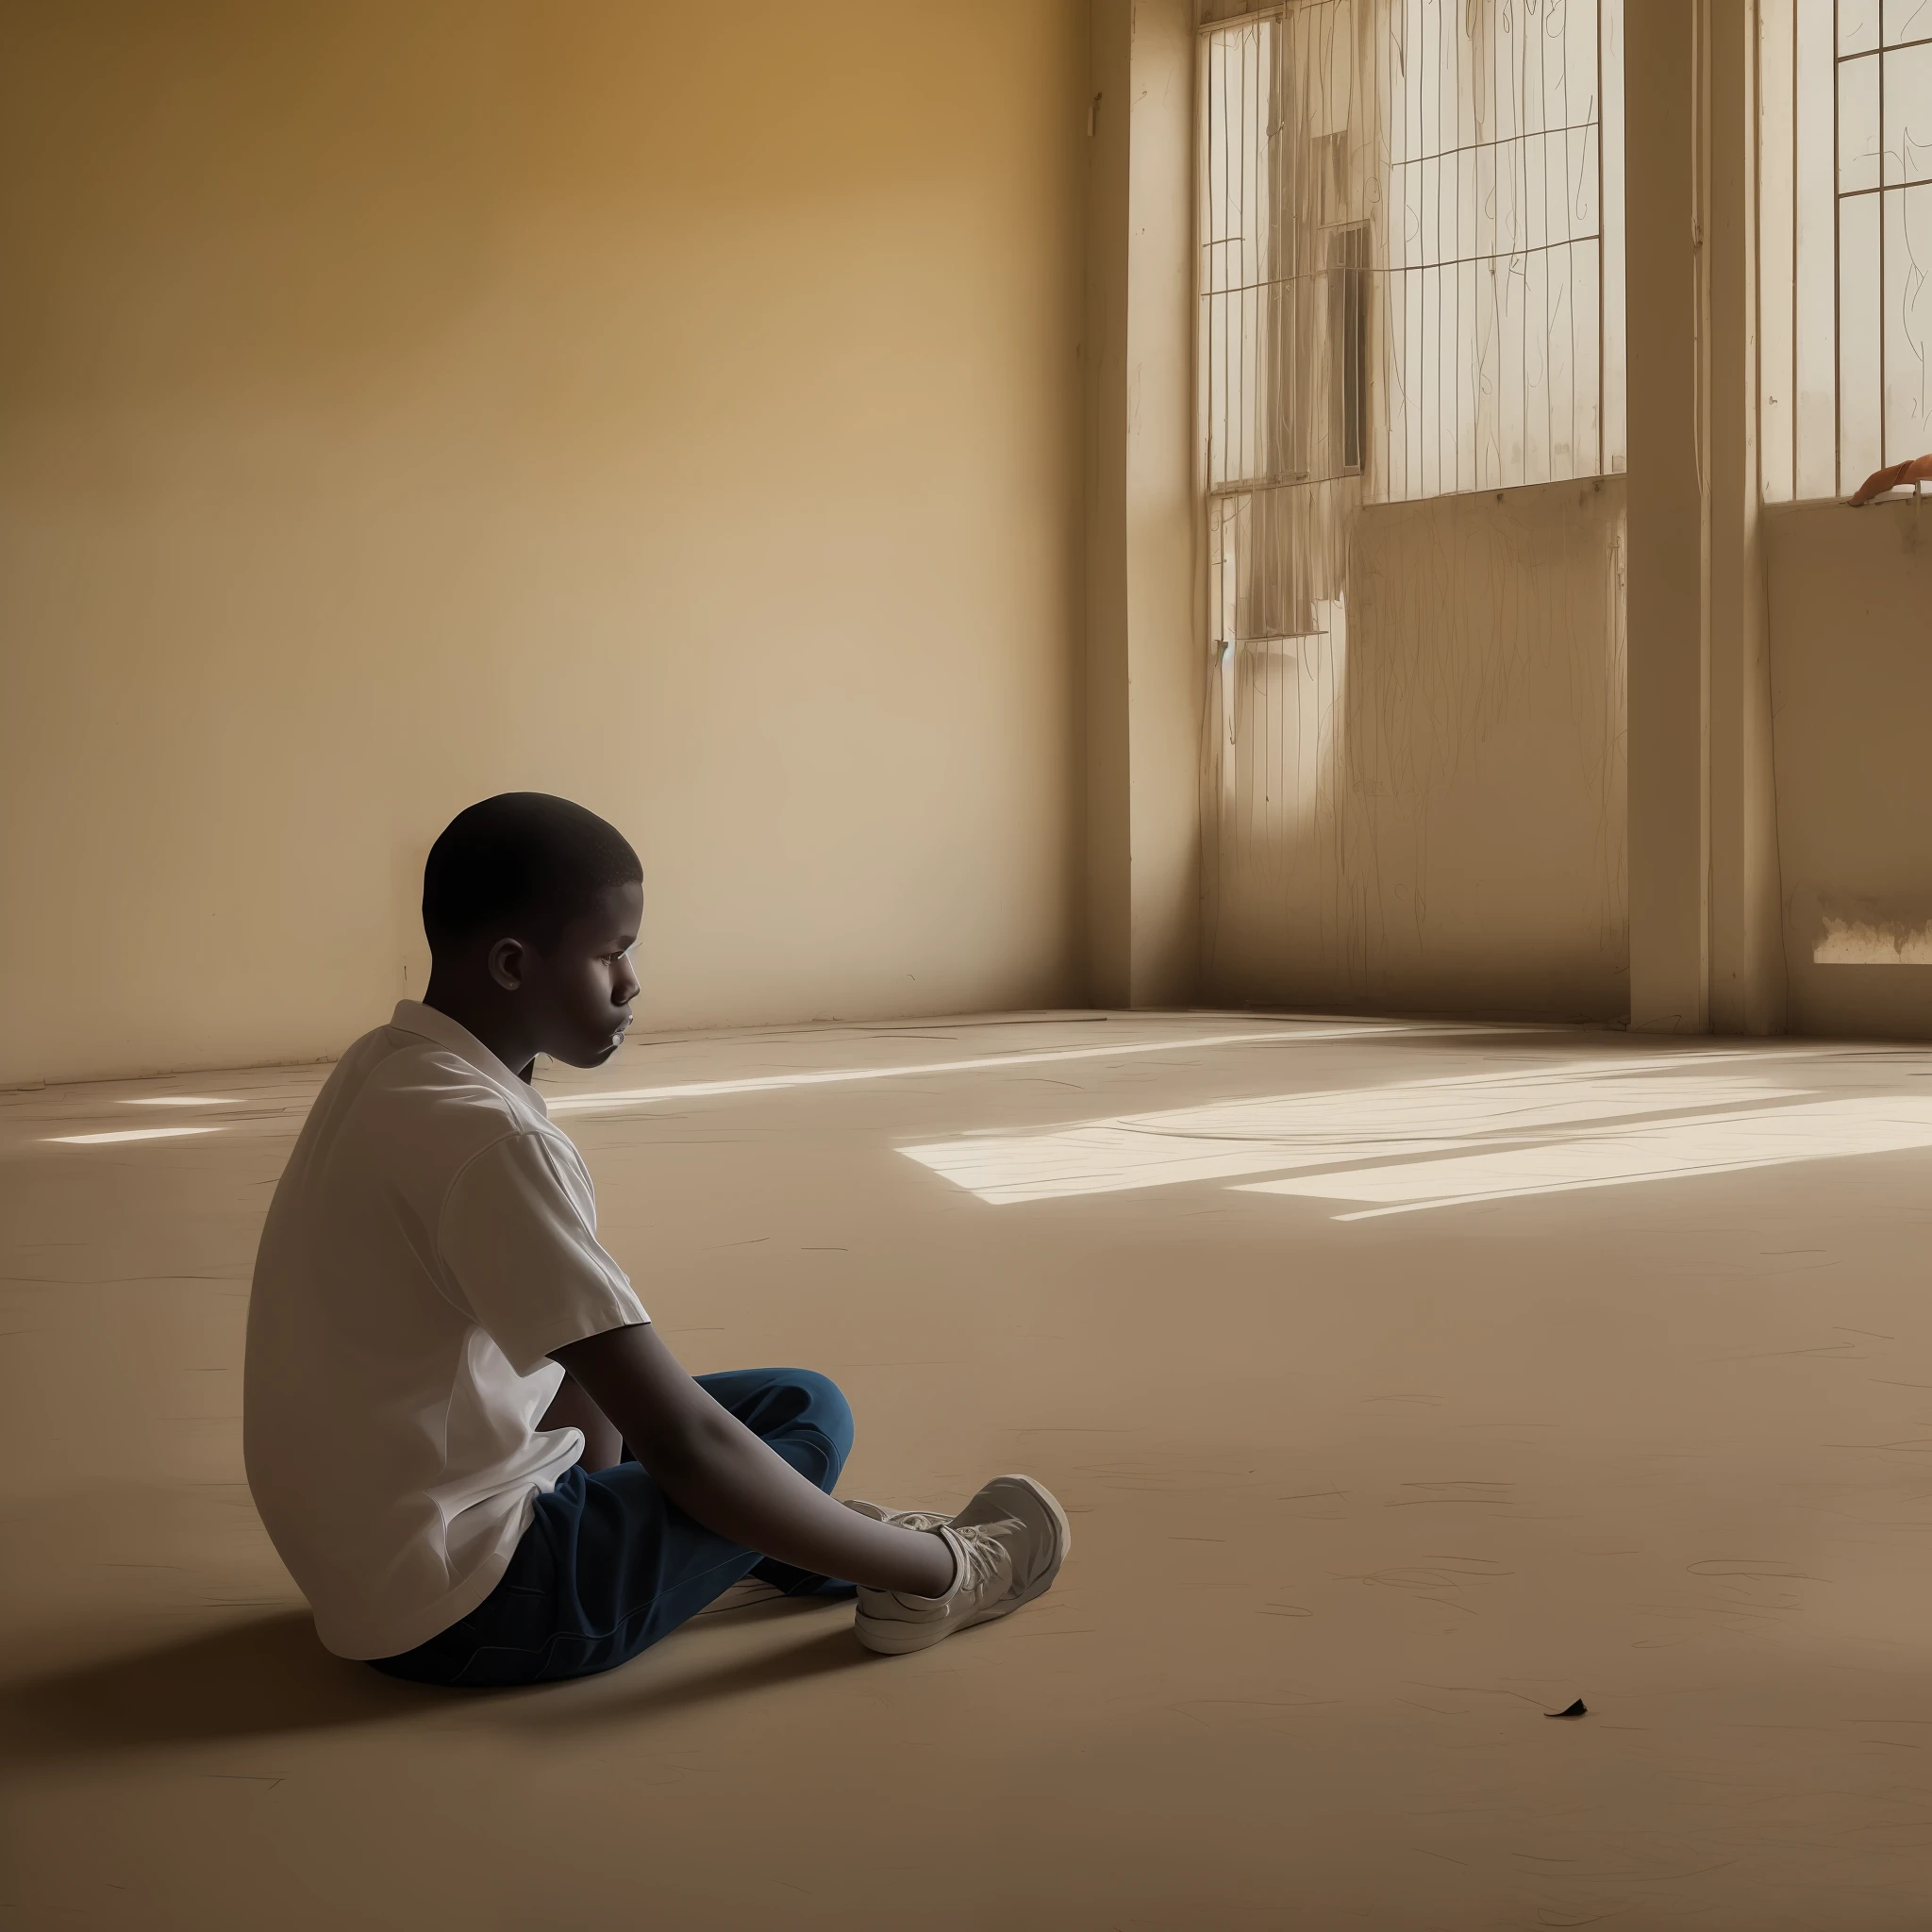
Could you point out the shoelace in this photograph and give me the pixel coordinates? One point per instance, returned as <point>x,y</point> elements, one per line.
<point>903,1519</point>
<point>987,1569</point>
<point>927,1520</point>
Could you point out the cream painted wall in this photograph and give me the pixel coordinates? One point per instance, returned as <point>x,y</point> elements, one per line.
<point>676,407</point>
<point>1851,642</point>
<point>1461,846</point>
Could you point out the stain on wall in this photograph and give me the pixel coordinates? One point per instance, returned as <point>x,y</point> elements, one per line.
<point>1851,655</point>
<point>1422,806</point>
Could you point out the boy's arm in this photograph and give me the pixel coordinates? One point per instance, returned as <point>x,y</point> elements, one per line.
<point>571,1407</point>
<point>716,1469</point>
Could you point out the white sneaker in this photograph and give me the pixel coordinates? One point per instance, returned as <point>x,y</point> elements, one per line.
<point>1009,1544</point>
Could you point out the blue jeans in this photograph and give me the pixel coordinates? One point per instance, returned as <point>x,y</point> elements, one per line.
<point>609,1565</point>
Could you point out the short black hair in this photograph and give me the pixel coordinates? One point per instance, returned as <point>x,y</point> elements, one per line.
<point>522,864</point>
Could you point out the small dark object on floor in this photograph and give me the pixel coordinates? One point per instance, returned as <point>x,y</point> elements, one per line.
<point>1577,1709</point>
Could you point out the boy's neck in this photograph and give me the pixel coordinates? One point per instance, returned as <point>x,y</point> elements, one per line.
<point>480,1014</point>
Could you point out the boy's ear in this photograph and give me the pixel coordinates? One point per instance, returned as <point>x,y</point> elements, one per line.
<point>506,964</point>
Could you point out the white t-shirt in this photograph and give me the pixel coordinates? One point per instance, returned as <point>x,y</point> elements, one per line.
<point>433,1239</point>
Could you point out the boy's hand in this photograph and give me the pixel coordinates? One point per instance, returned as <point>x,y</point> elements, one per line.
<point>715,1470</point>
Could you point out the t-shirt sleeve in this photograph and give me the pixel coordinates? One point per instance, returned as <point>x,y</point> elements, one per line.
<point>518,1241</point>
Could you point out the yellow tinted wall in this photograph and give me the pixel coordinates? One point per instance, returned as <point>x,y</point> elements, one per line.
<point>676,407</point>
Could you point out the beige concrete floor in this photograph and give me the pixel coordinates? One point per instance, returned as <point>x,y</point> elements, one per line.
<point>1356,1503</point>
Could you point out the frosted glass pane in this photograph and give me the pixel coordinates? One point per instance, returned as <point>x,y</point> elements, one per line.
<point>1908,115</point>
<point>1858,126</point>
<point>1616,444</point>
<point>1536,393</point>
<point>1237,227</point>
<point>1816,423</point>
<point>1907,20</point>
<point>1327,31</point>
<point>1775,265</point>
<point>1466,387</point>
<point>1858,23</point>
<point>1861,440</point>
<point>1908,323</point>
<point>1502,279</point>
<point>1575,376</point>
<point>1581,29</point>
<point>1239,102</point>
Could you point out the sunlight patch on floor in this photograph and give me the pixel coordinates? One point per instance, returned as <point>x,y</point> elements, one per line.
<point>1574,1124</point>
<point>618,1100</point>
<point>1668,1150</point>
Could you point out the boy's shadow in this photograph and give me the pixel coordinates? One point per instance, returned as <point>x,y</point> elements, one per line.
<point>270,1675</point>
<point>245,1680</point>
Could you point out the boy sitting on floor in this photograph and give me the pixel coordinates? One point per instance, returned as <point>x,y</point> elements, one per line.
<point>469,1445</point>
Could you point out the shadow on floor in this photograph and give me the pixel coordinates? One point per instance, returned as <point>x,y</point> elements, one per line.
<point>246,1680</point>
<point>662,1681</point>
<point>270,1675</point>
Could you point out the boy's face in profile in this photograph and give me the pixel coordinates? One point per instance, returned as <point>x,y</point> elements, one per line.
<point>577,994</point>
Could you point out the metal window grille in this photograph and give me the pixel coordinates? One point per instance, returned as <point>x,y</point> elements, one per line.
<point>1845,242</point>
<point>1411,245</point>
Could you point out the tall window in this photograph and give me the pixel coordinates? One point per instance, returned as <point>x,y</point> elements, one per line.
<point>1411,267</point>
<point>1411,285</point>
<point>1846,240</point>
